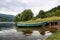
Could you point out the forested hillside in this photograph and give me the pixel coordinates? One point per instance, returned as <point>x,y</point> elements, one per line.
<point>6,18</point>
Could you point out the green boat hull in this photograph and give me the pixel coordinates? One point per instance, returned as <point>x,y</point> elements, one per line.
<point>31,25</point>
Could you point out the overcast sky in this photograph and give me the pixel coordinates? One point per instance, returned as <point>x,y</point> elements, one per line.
<point>14,7</point>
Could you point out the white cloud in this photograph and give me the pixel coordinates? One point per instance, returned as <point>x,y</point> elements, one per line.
<point>15,6</point>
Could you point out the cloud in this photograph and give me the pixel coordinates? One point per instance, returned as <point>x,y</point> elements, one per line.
<point>15,6</point>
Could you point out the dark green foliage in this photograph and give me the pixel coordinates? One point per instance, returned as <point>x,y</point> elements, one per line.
<point>41,14</point>
<point>50,14</point>
<point>57,13</point>
<point>53,9</point>
<point>53,12</point>
<point>17,17</point>
<point>24,16</point>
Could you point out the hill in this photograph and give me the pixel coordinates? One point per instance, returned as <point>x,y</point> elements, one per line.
<point>6,18</point>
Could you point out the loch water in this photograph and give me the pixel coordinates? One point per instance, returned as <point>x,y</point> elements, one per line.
<point>8,31</point>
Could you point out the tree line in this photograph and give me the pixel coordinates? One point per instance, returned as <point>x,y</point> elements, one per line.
<point>27,14</point>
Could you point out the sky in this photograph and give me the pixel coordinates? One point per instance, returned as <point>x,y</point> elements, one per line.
<point>13,7</point>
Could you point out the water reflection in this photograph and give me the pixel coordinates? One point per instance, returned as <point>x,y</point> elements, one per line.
<point>27,32</point>
<point>6,25</point>
<point>11,33</point>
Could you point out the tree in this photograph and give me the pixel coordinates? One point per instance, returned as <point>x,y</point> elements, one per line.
<point>26,15</point>
<point>41,14</point>
<point>17,18</point>
<point>57,13</point>
<point>50,14</point>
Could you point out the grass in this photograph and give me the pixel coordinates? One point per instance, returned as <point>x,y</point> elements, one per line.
<point>55,36</point>
<point>41,20</point>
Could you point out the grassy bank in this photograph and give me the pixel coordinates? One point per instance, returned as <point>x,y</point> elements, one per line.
<point>55,36</point>
<point>42,20</point>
